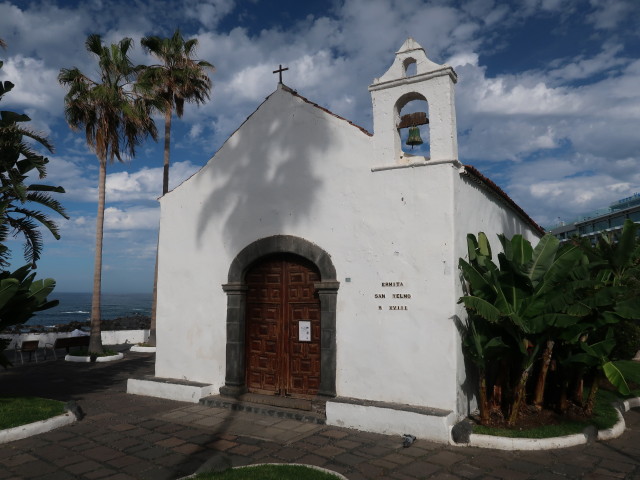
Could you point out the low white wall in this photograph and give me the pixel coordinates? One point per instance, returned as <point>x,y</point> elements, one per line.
<point>390,421</point>
<point>113,337</point>
<point>117,337</point>
<point>168,390</point>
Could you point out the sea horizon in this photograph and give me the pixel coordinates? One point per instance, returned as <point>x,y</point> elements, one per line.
<point>90,292</point>
<point>76,307</point>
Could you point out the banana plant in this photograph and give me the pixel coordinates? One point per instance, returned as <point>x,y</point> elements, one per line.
<point>596,356</point>
<point>481,347</point>
<point>21,295</point>
<point>519,295</point>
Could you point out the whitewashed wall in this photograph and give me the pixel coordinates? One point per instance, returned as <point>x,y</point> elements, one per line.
<point>477,209</point>
<point>293,169</point>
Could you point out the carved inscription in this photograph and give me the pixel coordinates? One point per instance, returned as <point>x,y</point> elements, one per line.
<point>394,296</point>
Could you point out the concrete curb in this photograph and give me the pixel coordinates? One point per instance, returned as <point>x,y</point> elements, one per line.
<point>87,359</point>
<point>506,443</point>
<point>313,467</point>
<point>141,349</point>
<point>320,469</point>
<point>30,429</point>
<point>631,403</point>
<point>616,430</point>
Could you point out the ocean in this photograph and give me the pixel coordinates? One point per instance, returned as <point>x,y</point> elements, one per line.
<point>76,307</point>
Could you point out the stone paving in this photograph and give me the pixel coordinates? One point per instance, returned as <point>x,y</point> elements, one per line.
<point>134,437</point>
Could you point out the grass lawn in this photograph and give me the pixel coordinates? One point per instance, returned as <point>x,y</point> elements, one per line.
<point>269,472</point>
<point>16,411</point>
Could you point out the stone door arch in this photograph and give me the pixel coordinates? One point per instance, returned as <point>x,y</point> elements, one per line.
<point>236,290</point>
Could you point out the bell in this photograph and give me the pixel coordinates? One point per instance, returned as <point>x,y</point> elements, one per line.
<point>414,137</point>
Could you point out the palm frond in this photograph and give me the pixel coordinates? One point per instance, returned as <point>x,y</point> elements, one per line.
<point>40,217</point>
<point>27,228</point>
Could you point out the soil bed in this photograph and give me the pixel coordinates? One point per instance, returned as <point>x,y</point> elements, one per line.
<point>537,424</point>
<point>532,423</point>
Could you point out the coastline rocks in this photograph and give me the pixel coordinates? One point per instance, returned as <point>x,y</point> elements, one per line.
<point>134,322</point>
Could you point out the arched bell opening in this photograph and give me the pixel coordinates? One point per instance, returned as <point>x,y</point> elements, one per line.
<point>410,67</point>
<point>412,112</point>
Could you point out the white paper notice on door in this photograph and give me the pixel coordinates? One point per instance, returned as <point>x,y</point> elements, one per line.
<point>304,330</point>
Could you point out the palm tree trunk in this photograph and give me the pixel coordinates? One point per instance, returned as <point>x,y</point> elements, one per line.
<point>483,401</point>
<point>165,188</point>
<point>518,396</point>
<point>564,397</point>
<point>95,343</point>
<point>591,399</point>
<point>542,376</point>
<point>501,380</point>
<point>578,391</point>
<point>167,148</point>
<point>151,341</point>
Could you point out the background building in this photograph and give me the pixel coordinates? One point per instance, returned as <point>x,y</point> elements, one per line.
<point>606,220</point>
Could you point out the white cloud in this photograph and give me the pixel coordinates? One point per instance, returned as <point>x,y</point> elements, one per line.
<point>139,185</point>
<point>195,131</point>
<point>143,185</point>
<point>564,135</point>
<point>146,183</point>
<point>136,218</point>
<point>208,13</point>
<point>586,66</point>
<point>36,86</point>
<point>463,58</point>
<point>46,29</point>
<point>608,14</point>
<point>569,198</point>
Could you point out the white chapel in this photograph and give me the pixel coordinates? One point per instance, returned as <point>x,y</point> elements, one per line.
<point>314,262</point>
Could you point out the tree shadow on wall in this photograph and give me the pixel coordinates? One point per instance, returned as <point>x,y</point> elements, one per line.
<point>264,178</point>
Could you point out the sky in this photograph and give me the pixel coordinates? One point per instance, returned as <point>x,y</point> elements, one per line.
<point>547,101</point>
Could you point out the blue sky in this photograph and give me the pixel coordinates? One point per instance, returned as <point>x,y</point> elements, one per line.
<point>548,98</point>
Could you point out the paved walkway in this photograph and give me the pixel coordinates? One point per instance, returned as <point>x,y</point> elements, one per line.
<point>134,437</point>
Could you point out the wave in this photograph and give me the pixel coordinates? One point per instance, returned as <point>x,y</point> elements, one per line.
<point>76,307</point>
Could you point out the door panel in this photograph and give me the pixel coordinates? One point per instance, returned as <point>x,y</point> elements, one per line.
<point>304,357</point>
<point>262,351</point>
<point>280,294</point>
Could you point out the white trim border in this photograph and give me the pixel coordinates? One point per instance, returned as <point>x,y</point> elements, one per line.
<point>30,429</point>
<point>313,467</point>
<point>142,349</point>
<point>87,359</point>
<point>506,443</point>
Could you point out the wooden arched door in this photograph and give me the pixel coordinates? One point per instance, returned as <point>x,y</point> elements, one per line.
<point>281,301</point>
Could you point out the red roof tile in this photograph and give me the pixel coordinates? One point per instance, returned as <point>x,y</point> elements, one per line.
<point>304,99</point>
<point>473,172</point>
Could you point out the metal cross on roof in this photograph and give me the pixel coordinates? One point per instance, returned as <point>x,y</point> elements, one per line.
<point>279,71</point>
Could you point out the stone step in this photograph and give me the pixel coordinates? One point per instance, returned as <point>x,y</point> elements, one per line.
<point>291,408</point>
<point>277,401</point>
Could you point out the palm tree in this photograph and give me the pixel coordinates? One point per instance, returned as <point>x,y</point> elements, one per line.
<point>18,159</point>
<point>179,79</point>
<point>115,121</point>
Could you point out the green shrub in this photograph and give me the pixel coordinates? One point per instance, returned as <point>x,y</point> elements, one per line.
<point>627,335</point>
